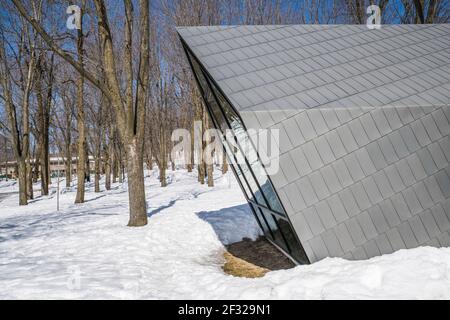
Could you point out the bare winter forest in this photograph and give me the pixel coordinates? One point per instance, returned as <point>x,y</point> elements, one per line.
<point>109,92</point>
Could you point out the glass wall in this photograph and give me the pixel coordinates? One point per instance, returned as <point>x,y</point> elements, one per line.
<point>247,167</point>
<point>244,140</point>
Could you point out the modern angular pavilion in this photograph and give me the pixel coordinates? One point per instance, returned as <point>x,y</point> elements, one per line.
<point>364,122</point>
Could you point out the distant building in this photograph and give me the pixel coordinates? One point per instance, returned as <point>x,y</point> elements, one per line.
<point>57,166</point>
<point>364,122</point>
<point>6,157</point>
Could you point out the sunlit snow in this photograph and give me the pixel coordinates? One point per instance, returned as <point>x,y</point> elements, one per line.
<point>86,251</point>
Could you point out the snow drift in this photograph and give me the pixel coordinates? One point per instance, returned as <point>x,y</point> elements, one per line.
<point>87,252</point>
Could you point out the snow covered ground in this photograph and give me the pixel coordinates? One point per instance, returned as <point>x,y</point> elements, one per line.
<point>8,186</point>
<point>86,251</point>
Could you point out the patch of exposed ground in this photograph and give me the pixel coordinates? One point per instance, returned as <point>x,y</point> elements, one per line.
<point>251,259</point>
<point>240,268</point>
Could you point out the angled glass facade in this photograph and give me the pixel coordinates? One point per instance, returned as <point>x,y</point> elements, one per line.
<point>247,167</point>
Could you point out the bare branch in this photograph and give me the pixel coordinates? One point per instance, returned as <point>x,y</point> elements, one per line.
<point>51,43</point>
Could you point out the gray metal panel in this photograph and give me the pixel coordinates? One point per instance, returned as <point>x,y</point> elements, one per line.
<point>374,202</point>
<point>383,244</point>
<point>367,171</point>
<point>419,230</point>
<point>261,60</point>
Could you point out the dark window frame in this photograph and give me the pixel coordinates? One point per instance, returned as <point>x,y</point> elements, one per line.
<point>286,248</point>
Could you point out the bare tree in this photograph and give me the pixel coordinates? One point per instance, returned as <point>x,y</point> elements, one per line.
<point>44,101</point>
<point>129,110</point>
<point>25,58</point>
<point>63,119</point>
<point>81,121</point>
<point>426,10</point>
<point>96,133</point>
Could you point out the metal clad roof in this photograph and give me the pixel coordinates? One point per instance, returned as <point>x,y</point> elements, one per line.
<point>364,122</point>
<point>325,65</point>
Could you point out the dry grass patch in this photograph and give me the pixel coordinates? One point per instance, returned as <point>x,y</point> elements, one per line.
<point>240,268</point>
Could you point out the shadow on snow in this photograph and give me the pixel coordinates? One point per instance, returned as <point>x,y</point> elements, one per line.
<point>227,220</point>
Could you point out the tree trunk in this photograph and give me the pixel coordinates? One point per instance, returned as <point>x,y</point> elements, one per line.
<point>44,120</point>
<point>209,155</point>
<point>120,168</point>
<point>81,125</point>
<point>49,173</point>
<point>108,175</point>
<point>88,165</point>
<point>44,170</point>
<point>201,172</point>
<point>45,135</point>
<point>68,163</point>
<point>224,163</point>
<point>419,11</point>
<point>162,175</point>
<point>107,168</point>
<point>45,167</point>
<point>136,190</point>
<point>200,148</point>
<point>81,165</point>
<point>36,164</point>
<point>68,149</point>
<point>190,165</point>
<point>29,173</point>
<point>149,160</point>
<point>120,173</point>
<point>41,160</point>
<point>97,174</point>
<point>23,191</point>
<point>98,168</point>
<point>81,175</point>
<point>6,160</point>
<point>163,157</point>
<point>114,167</point>
<point>210,169</point>
<point>162,170</point>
